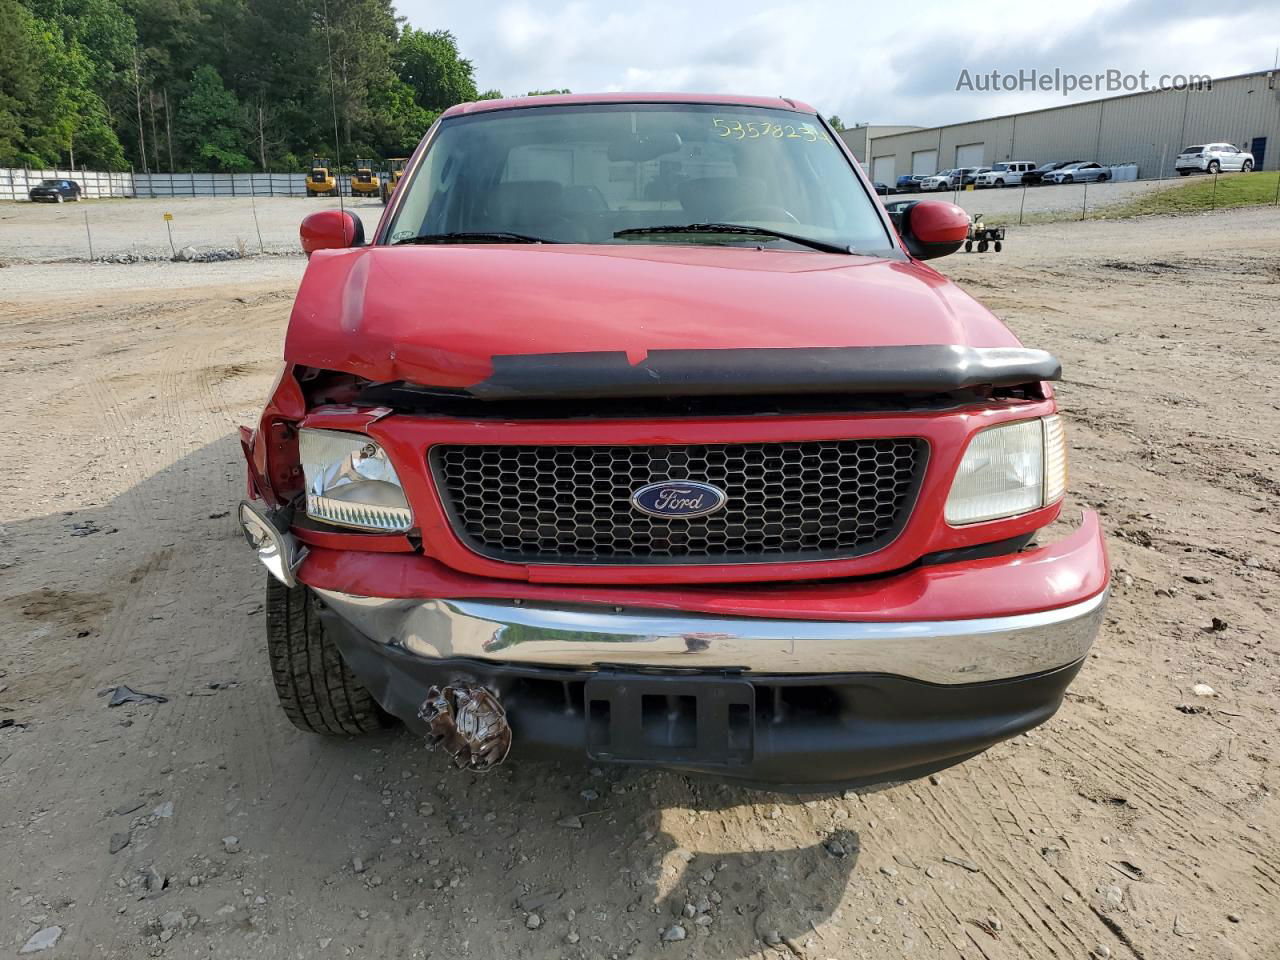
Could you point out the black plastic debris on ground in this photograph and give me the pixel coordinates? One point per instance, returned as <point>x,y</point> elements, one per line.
<point>123,694</point>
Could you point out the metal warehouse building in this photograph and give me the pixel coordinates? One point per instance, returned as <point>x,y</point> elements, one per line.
<point>1143,128</point>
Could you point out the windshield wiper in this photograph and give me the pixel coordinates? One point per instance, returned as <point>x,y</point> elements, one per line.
<point>476,236</point>
<point>741,229</point>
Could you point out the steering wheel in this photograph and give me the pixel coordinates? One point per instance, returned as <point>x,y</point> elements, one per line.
<point>764,211</point>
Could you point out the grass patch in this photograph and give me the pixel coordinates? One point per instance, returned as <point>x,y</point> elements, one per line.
<point>1198,196</point>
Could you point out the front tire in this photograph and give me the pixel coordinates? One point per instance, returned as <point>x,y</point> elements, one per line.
<point>1214,167</point>
<point>316,688</point>
<point>1247,167</point>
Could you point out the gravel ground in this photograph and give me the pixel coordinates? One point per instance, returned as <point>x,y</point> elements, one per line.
<point>1140,823</point>
<point>49,231</point>
<point>1057,200</point>
<point>44,231</point>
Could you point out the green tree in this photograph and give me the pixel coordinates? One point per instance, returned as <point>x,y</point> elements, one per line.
<point>432,66</point>
<point>218,84</point>
<point>547,93</point>
<point>836,123</point>
<point>359,42</point>
<point>50,112</point>
<point>211,125</point>
<point>19,70</point>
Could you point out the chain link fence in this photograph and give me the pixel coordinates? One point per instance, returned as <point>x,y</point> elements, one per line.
<point>16,183</point>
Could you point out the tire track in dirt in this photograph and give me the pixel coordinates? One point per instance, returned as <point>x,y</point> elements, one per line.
<point>1054,933</point>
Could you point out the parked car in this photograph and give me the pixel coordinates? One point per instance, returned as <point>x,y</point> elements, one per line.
<point>942,180</point>
<point>1004,174</point>
<point>883,188</point>
<point>970,175</point>
<point>55,191</point>
<point>909,182</point>
<point>523,483</point>
<point>1036,177</point>
<point>1080,173</point>
<point>1212,158</point>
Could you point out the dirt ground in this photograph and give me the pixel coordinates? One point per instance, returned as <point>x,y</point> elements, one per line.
<point>1140,823</point>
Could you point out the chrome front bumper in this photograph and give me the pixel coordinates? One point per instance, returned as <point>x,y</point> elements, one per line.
<point>941,651</point>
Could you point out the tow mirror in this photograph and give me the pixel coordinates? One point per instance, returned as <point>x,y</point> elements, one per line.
<point>932,228</point>
<point>330,230</point>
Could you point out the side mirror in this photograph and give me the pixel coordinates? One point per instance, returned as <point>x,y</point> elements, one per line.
<point>932,228</point>
<point>330,230</point>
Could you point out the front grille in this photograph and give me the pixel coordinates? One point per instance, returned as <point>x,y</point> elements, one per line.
<point>785,501</point>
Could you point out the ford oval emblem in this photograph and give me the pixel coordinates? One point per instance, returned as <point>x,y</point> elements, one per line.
<point>678,499</point>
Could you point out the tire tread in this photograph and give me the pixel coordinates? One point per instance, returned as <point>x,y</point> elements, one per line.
<point>316,688</point>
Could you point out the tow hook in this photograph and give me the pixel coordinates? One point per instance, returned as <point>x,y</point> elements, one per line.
<point>469,723</point>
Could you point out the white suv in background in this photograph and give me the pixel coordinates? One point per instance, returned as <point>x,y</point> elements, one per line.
<point>942,180</point>
<point>1003,174</point>
<point>1213,157</point>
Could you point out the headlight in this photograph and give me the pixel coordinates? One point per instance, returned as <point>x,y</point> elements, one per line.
<point>1010,469</point>
<point>351,482</point>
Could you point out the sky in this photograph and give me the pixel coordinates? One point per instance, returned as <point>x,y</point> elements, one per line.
<point>868,63</point>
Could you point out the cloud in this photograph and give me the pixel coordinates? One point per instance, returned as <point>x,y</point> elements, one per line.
<point>863,63</point>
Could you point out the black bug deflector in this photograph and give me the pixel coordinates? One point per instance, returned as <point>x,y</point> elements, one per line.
<point>929,368</point>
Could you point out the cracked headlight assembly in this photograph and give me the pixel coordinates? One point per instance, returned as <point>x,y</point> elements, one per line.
<point>1009,469</point>
<point>351,483</point>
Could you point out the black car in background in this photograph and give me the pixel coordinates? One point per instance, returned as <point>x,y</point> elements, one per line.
<point>1035,178</point>
<point>55,191</point>
<point>882,188</point>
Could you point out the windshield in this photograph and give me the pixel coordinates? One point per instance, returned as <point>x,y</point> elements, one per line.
<point>585,173</point>
<point>50,183</point>
<point>998,168</point>
<point>1192,149</point>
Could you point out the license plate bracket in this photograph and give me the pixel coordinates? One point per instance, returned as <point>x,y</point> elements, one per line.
<point>637,718</point>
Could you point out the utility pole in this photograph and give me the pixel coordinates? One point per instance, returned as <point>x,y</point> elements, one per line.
<point>137,95</point>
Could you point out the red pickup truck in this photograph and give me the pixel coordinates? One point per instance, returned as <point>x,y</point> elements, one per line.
<point>640,431</point>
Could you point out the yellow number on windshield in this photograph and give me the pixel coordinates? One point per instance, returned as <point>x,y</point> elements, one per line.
<point>763,129</point>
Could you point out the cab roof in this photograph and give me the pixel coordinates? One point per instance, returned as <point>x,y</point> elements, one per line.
<point>560,99</point>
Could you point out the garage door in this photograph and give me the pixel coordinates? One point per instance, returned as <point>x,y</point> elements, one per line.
<point>969,154</point>
<point>882,169</point>
<point>924,163</point>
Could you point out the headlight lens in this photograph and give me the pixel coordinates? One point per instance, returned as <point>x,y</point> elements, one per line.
<point>1010,469</point>
<point>351,482</point>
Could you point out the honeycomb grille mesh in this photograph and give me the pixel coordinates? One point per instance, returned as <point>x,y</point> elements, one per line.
<point>807,500</point>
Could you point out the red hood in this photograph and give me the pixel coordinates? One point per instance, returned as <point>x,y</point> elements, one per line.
<point>437,315</point>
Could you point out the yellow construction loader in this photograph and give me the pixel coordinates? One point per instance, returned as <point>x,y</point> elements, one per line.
<point>320,181</point>
<point>364,182</point>
<point>396,167</point>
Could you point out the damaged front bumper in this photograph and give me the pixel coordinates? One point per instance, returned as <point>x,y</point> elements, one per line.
<point>586,638</point>
<point>839,689</point>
